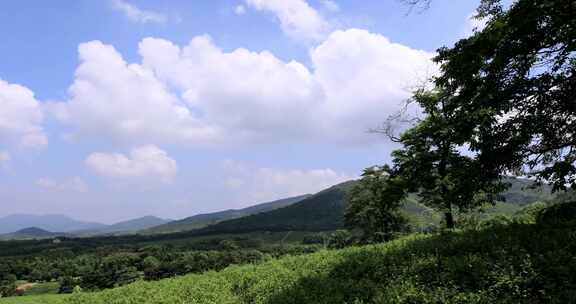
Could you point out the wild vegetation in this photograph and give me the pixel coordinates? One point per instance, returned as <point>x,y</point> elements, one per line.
<point>503,104</point>
<point>518,262</point>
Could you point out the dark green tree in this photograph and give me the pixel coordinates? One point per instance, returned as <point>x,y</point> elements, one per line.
<point>373,205</point>
<point>67,284</point>
<point>435,166</point>
<point>7,282</point>
<point>511,89</point>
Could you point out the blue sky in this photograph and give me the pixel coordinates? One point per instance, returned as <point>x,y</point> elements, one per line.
<point>116,109</point>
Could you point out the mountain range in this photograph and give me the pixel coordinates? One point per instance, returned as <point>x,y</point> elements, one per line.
<point>325,210</point>
<point>203,220</point>
<point>14,225</point>
<point>319,212</point>
<point>51,222</point>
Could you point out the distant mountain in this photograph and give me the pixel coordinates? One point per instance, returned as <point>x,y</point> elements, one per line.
<point>30,233</point>
<point>203,220</point>
<point>321,211</point>
<point>132,225</point>
<point>325,210</point>
<point>53,222</point>
<point>522,192</point>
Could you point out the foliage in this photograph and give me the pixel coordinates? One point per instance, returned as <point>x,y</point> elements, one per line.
<point>511,88</point>
<point>66,284</point>
<point>7,283</point>
<point>514,263</point>
<point>431,164</point>
<point>373,205</point>
<point>340,239</point>
<point>43,299</point>
<point>558,214</point>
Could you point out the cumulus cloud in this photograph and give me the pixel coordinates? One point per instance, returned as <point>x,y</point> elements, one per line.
<point>20,117</point>
<point>126,102</point>
<point>199,94</point>
<point>297,18</point>
<point>136,14</point>
<point>264,184</point>
<point>357,79</point>
<point>145,163</point>
<point>74,184</point>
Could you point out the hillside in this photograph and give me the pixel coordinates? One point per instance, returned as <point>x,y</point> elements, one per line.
<point>129,226</point>
<point>325,211</point>
<point>203,220</point>
<point>322,211</point>
<point>521,263</point>
<point>53,222</point>
<point>30,233</point>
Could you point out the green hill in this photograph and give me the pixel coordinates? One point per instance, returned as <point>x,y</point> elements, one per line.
<point>325,211</point>
<point>322,211</point>
<point>203,220</point>
<point>30,233</point>
<point>134,225</point>
<point>518,263</point>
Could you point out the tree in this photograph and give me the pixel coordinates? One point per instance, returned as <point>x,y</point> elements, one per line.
<point>432,164</point>
<point>340,239</point>
<point>67,284</point>
<point>373,205</point>
<point>7,282</point>
<point>511,89</point>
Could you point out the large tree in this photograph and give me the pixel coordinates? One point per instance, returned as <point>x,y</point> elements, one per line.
<point>434,165</point>
<point>511,89</point>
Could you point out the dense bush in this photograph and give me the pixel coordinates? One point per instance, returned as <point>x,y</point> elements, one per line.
<point>515,263</point>
<point>559,214</point>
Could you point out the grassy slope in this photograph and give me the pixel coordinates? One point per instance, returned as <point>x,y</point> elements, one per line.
<point>44,299</point>
<point>509,264</point>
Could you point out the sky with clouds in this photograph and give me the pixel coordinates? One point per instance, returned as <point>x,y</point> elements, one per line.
<point>115,109</point>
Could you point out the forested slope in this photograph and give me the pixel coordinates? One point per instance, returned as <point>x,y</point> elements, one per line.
<point>517,263</point>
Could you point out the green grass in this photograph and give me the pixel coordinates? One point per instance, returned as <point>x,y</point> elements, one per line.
<point>43,288</point>
<point>43,299</point>
<point>502,264</point>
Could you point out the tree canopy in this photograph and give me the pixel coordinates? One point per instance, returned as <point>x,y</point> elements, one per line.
<point>511,89</point>
<point>373,204</point>
<point>443,175</point>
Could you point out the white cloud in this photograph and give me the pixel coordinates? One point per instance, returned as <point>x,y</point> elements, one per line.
<point>145,163</point>
<point>297,18</point>
<point>136,14</point>
<point>126,103</point>
<point>75,184</point>
<point>258,184</point>
<point>358,78</point>
<point>20,117</point>
<point>240,10</point>
<point>330,5</point>
<point>201,95</point>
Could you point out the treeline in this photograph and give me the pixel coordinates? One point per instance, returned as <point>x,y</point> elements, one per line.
<point>110,266</point>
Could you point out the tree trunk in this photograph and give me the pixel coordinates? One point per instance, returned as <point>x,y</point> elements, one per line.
<point>442,171</point>
<point>449,219</point>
